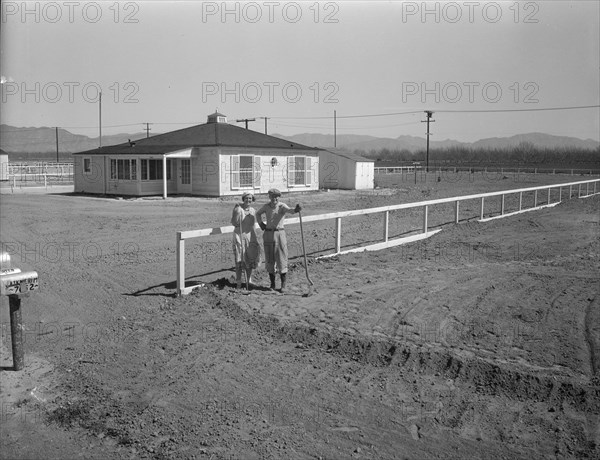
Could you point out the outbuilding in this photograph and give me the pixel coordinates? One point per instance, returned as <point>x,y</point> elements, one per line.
<point>212,159</point>
<point>340,169</point>
<point>3,165</point>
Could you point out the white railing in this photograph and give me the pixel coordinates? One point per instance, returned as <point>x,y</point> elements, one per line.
<point>56,169</point>
<point>385,210</point>
<point>486,169</point>
<point>396,169</point>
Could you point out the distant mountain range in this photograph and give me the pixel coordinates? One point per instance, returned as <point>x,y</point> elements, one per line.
<point>42,140</point>
<point>412,143</point>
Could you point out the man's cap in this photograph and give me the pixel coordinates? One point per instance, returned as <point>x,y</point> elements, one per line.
<point>274,192</point>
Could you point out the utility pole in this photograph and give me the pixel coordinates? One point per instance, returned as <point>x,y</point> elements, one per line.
<point>265,118</point>
<point>147,129</point>
<point>334,129</point>
<point>429,114</point>
<point>56,144</point>
<point>246,120</point>
<point>100,119</point>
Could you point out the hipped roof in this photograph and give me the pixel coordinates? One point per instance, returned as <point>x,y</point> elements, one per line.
<point>205,135</point>
<point>350,155</point>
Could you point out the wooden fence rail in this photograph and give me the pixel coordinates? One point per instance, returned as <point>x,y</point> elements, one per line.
<point>385,210</point>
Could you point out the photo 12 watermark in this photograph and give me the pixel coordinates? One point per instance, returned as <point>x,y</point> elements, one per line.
<point>471,92</point>
<point>70,332</point>
<point>70,12</point>
<point>24,411</point>
<point>470,12</point>
<point>467,252</point>
<point>53,92</point>
<point>270,12</point>
<point>270,91</point>
<point>70,251</point>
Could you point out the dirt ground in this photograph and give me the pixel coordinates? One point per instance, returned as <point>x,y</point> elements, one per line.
<point>482,341</point>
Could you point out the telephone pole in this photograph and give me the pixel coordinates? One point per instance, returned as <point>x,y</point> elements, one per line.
<point>334,129</point>
<point>100,119</point>
<point>147,129</point>
<point>265,118</point>
<point>56,128</point>
<point>429,114</point>
<point>246,120</point>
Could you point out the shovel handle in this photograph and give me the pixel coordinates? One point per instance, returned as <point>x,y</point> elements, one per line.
<point>304,249</point>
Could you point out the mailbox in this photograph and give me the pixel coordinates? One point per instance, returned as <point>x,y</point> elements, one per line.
<point>14,283</point>
<point>18,282</point>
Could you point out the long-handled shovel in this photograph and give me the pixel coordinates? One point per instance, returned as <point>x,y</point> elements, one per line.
<point>310,283</point>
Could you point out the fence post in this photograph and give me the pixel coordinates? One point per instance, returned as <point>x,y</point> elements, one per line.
<point>520,200</point>
<point>180,247</point>
<point>425,219</point>
<point>548,195</point>
<point>535,199</point>
<point>559,194</point>
<point>481,210</point>
<point>587,188</point>
<point>386,222</point>
<point>502,205</point>
<point>456,208</point>
<point>579,191</point>
<point>338,234</point>
<point>570,191</point>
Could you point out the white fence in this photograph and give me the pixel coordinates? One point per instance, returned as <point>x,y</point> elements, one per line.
<point>35,174</point>
<point>385,210</point>
<point>486,169</point>
<point>397,169</point>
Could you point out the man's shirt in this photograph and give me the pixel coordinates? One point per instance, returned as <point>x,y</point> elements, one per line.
<point>275,215</point>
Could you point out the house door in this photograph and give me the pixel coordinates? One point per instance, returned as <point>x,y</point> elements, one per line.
<point>184,178</point>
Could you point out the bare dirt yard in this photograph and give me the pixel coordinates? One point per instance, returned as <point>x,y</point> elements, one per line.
<point>482,341</point>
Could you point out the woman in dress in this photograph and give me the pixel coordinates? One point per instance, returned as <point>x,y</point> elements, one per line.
<point>246,249</point>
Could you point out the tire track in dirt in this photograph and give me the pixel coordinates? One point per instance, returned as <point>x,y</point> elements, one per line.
<point>489,377</point>
<point>592,335</point>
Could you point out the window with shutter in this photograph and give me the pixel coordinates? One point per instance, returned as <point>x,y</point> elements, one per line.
<point>299,171</point>
<point>257,173</point>
<point>235,171</point>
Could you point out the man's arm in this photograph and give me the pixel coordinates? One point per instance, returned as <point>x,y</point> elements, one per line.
<point>259,219</point>
<point>288,210</point>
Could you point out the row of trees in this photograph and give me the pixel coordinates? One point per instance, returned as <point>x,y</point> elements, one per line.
<point>525,154</point>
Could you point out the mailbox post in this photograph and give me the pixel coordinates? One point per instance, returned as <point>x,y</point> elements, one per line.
<point>15,284</point>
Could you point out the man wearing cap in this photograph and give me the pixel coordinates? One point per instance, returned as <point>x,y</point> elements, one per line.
<point>274,239</point>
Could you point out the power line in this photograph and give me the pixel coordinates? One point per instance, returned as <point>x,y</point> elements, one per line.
<point>521,110</point>
<point>339,117</point>
<point>348,116</point>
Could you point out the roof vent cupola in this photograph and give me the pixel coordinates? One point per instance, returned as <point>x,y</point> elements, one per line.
<point>216,118</point>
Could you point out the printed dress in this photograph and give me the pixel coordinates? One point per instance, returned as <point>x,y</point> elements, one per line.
<point>249,241</point>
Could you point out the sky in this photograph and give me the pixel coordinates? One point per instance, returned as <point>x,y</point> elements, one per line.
<point>486,69</point>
